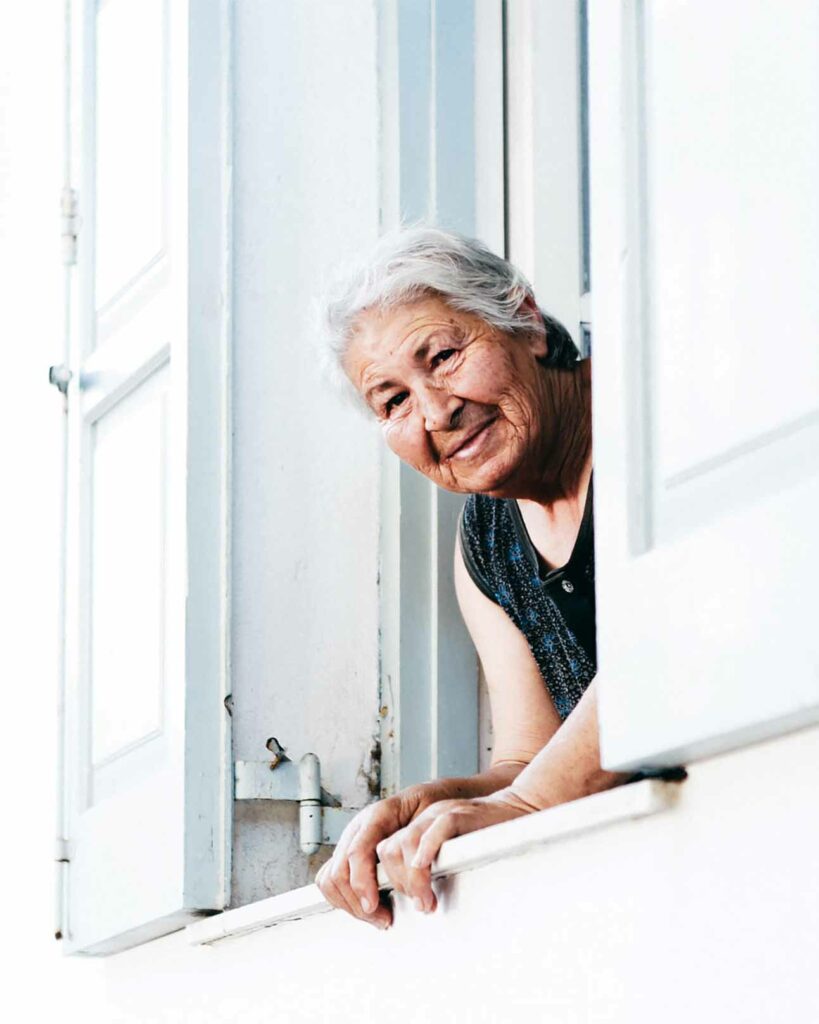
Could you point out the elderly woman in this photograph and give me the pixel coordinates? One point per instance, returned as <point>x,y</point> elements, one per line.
<point>479,390</point>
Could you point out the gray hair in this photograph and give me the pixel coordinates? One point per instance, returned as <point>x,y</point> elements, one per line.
<point>414,262</point>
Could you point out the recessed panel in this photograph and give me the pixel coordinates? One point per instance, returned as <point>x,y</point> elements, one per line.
<point>128,571</point>
<point>732,151</point>
<point>130,131</point>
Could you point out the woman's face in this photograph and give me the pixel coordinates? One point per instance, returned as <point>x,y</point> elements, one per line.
<point>457,399</point>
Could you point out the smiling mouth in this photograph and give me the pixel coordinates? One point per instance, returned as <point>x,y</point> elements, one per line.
<point>471,442</point>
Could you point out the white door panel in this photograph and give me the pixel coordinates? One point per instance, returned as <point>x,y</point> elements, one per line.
<point>131,153</point>
<point>127,665</point>
<point>145,790</point>
<point>733,224</point>
<point>706,402</point>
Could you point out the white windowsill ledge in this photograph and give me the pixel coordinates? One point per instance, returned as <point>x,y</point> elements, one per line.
<point>636,800</point>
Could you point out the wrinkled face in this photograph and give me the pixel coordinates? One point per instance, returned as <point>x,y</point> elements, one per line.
<point>457,399</point>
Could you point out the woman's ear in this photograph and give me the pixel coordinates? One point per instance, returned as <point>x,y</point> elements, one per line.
<point>536,340</point>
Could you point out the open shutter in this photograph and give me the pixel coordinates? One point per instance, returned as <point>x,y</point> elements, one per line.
<point>145,722</point>
<point>705,220</point>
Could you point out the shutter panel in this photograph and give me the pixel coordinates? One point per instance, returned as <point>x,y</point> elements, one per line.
<point>705,221</point>
<point>145,724</point>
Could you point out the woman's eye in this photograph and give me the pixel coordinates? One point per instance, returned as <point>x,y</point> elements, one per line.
<point>442,356</point>
<point>394,402</point>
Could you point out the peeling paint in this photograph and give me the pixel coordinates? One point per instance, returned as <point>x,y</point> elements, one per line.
<point>370,770</point>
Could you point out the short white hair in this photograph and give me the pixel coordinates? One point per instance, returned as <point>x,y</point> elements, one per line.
<point>415,262</point>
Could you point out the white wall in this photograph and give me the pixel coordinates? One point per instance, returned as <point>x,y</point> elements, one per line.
<point>708,911</point>
<point>305,466</point>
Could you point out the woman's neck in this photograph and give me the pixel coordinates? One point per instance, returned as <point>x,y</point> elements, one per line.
<point>563,463</point>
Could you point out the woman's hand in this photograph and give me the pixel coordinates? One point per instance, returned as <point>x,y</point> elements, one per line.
<point>348,879</point>
<point>407,855</point>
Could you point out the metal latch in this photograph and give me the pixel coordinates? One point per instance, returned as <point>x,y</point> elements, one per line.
<point>282,779</point>
<point>60,376</point>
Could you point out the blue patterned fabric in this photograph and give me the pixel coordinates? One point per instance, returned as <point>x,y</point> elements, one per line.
<point>553,609</point>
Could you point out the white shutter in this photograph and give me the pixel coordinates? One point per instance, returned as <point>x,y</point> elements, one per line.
<point>705,220</point>
<point>145,722</point>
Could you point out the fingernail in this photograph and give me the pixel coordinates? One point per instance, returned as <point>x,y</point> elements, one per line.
<point>418,903</point>
<point>366,906</point>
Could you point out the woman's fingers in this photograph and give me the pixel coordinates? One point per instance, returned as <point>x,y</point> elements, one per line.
<point>446,826</point>
<point>331,891</point>
<point>362,873</point>
<point>348,881</point>
<point>397,855</point>
<point>458,817</point>
<point>333,881</point>
<point>392,861</point>
<point>409,854</point>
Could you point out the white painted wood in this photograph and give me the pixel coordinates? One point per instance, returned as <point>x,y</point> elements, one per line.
<point>707,379</point>
<point>543,155</point>
<point>440,70</point>
<point>490,211</point>
<point>131,152</point>
<point>465,853</point>
<point>145,727</point>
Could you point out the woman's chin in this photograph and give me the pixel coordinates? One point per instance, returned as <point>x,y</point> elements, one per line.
<point>485,478</point>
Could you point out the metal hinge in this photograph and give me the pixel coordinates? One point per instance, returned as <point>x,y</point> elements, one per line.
<point>61,851</point>
<point>320,823</point>
<point>70,225</point>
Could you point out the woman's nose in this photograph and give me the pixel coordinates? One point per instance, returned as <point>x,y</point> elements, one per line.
<point>441,411</point>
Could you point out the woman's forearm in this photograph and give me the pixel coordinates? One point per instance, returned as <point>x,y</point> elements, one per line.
<point>499,776</point>
<point>568,766</point>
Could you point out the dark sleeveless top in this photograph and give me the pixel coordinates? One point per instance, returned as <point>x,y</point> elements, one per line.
<point>553,609</point>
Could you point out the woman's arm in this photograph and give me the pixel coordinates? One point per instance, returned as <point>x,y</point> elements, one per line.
<point>567,766</point>
<point>523,718</point>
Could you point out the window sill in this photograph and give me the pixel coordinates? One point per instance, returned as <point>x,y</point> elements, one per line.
<point>637,800</point>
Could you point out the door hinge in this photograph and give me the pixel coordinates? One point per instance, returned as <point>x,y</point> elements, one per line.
<point>61,851</point>
<point>70,225</point>
<point>320,823</point>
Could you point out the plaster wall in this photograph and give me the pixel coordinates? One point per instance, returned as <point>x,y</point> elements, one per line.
<point>708,911</point>
<point>305,464</point>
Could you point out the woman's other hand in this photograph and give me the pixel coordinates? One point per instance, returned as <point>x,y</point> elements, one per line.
<point>407,855</point>
<point>348,879</point>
